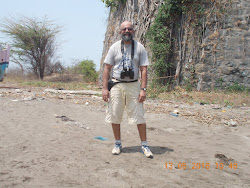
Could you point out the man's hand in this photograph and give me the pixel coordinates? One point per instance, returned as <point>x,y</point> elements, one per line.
<point>142,96</point>
<point>105,94</point>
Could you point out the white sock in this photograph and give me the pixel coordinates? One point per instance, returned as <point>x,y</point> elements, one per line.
<point>118,141</point>
<point>144,143</point>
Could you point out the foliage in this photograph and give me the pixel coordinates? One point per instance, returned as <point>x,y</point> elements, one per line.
<point>87,69</point>
<point>33,42</point>
<point>237,88</point>
<point>154,90</point>
<point>160,43</point>
<point>113,3</point>
<point>161,34</point>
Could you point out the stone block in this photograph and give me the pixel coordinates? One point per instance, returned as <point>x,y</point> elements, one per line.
<point>229,55</point>
<point>233,33</point>
<point>244,73</point>
<point>227,70</point>
<point>246,35</point>
<point>244,64</point>
<point>238,56</point>
<point>207,77</point>
<point>199,68</point>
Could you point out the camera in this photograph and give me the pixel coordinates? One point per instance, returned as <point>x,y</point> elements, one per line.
<point>127,73</point>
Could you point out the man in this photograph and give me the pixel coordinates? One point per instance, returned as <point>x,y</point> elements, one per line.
<point>126,57</point>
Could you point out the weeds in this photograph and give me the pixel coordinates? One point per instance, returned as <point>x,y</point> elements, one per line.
<point>236,87</point>
<point>181,94</point>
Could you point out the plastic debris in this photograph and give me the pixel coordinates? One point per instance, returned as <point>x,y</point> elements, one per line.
<point>101,138</point>
<point>14,100</point>
<point>64,118</point>
<point>216,107</point>
<point>29,99</point>
<point>172,114</point>
<point>176,111</point>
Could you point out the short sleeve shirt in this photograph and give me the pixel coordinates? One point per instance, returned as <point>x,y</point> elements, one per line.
<point>124,61</point>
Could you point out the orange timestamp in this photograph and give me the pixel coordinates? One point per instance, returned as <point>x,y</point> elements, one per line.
<point>184,165</point>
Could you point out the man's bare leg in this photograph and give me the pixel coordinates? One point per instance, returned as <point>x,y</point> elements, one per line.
<point>142,131</point>
<point>117,135</point>
<point>116,131</point>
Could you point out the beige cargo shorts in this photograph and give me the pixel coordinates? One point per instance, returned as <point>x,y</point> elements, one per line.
<point>125,96</point>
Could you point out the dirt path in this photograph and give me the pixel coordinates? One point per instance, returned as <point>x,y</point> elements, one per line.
<point>48,140</point>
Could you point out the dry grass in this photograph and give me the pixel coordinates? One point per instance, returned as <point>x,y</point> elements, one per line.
<point>69,82</point>
<point>213,97</point>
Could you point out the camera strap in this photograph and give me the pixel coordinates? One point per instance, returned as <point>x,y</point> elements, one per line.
<point>132,51</point>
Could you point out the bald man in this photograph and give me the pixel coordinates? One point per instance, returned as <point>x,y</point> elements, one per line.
<point>128,58</point>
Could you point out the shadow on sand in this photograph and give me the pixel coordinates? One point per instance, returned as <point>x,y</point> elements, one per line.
<point>157,150</point>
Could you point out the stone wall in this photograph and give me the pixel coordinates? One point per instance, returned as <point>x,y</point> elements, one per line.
<point>219,56</point>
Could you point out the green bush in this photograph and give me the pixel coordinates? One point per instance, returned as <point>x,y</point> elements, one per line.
<point>87,69</point>
<point>236,87</point>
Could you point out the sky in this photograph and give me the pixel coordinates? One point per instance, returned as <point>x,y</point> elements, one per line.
<point>83,25</point>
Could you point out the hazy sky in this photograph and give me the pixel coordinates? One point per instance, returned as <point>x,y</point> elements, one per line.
<point>83,24</point>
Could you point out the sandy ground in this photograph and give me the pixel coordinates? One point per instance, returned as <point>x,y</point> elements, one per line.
<point>48,140</point>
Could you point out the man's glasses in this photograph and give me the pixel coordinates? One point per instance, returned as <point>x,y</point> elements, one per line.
<point>127,28</point>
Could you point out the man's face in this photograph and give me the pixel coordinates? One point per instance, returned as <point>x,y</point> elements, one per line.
<point>127,32</point>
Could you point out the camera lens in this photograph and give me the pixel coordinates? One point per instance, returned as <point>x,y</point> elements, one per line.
<point>122,75</point>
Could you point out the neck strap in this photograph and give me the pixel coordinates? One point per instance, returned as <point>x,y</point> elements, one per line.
<point>132,49</point>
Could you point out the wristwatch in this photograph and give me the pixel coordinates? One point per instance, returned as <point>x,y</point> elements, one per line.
<point>144,89</point>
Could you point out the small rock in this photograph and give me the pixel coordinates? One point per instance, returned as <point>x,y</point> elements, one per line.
<point>232,123</point>
<point>18,91</point>
<point>96,97</point>
<point>170,130</point>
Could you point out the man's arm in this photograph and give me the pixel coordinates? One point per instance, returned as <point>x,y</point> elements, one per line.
<point>105,91</point>
<point>144,74</point>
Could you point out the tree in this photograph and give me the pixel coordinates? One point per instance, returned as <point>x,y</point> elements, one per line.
<point>54,68</point>
<point>87,69</point>
<point>33,42</point>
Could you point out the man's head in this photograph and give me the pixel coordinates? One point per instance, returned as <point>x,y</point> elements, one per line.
<point>127,31</point>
